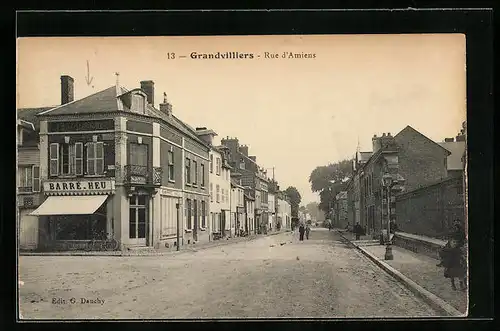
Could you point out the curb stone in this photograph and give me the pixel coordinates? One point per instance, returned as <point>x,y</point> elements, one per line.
<point>147,253</point>
<point>435,302</point>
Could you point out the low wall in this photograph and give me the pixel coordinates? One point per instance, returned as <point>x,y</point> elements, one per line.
<point>419,244</point>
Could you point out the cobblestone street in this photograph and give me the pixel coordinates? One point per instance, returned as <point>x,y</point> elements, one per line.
<point>272,276</point>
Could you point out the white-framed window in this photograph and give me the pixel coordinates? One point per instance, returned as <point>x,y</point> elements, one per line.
<point>28,178</point>
<point>195,172</point>
<point>217,166</point>
<point>223,195</point>
<point>217,193</point>
<point>211,192</point>
<point>203,214</point>
<point>212,164</point>
<point>138,102</point>
<point>95,158</point>
<point>54,159</point>
<point>202,173</point>
<point>188,171</point>
<point>65,155</point>
<point>171,165</point>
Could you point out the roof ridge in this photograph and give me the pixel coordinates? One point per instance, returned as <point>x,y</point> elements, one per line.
<point>72,102</point>
<point>423,135</point>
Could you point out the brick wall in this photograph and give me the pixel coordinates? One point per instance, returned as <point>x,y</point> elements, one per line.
<point>430,210</point>
<point>421,161</point>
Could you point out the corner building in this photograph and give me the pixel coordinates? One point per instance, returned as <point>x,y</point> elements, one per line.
<point>114,166</point>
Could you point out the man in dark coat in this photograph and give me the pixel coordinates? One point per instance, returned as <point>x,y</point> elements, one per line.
<point>302,229</point>
<point>358,230</point>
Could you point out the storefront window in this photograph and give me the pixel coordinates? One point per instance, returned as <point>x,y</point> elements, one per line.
<point>80,227</point>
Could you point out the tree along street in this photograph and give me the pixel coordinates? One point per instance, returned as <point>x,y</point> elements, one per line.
<point>273,276</point>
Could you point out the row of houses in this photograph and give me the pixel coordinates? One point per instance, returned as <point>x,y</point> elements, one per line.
<point>112,165</point>
<point>429,191</point>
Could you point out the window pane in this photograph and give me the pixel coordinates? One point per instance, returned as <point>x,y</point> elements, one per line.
<point>142,200</point>
<point>53,167</point>
<point>79,150</point>
<point>90,167</point>
<point>132,223</point>
<point>99,150</point>
<point>99,166</point>
<point>171,172</point>
<point>141,223</point>
<point>53,151</point>
<point>90,150</point>
<point>78,167</point>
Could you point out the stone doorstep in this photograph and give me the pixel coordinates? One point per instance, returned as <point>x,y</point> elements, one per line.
<point>435,302</point>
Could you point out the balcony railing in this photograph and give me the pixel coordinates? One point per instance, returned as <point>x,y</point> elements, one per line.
<point>142,175</point>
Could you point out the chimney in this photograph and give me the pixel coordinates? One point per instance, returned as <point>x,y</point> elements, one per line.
<point>244,150</point>
<point>165,107</point>
<point>460,138</point>
<point>375,143</point>
<point>67,91</point>
<point>448,140</point>
<point>148,86</point>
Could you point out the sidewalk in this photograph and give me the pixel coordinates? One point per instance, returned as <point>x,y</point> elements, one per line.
<point>422,271</point>
<point>152,251</point>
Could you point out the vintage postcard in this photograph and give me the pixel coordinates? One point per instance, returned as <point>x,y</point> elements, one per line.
<point>297,176</point>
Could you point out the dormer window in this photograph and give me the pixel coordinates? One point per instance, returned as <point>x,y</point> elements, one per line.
<point>138,103</point>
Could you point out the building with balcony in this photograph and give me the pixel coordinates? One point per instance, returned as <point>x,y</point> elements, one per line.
<point>112,165</point>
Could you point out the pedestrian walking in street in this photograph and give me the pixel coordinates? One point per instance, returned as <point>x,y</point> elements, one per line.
<point>308,229</point>
<point>358,230</point>
<point>453,257</point>
<point>302,229</point>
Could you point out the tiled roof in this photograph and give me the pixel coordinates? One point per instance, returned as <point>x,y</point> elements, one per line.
<point>107,101</point>
<point>409,128</point>
<point>457,149</point>
<point>29,115</point>
<point>103,101</point>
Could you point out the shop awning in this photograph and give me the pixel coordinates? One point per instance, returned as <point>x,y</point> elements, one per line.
<point>70,205</point>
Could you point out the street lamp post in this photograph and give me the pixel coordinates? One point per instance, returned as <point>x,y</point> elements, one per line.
<point>388,182</point>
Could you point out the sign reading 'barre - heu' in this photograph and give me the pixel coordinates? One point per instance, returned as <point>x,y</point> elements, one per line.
<point>87,185</point>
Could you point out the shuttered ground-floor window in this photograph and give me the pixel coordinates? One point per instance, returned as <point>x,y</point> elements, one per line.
<point>168,214</point>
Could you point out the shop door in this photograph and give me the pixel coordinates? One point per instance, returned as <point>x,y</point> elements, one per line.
<point>223,223</point>
<point>195,225</point>
<point>138,219</point>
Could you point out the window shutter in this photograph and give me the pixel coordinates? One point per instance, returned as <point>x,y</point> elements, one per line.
<point>36,179</point>
<point>54,159</point>
<point>99,158</point>
<point>78,158</point>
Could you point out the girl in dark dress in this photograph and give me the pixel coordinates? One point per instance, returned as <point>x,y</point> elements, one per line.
<point>453,257</point>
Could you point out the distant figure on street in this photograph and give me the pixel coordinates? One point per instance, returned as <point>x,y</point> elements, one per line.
<point>302,229</point>
<point>358,230</point>
<point>453,257</point>
<point>394,227</point>
<point>308,229</point>
<point>329,224</point>
<point>347,226</point>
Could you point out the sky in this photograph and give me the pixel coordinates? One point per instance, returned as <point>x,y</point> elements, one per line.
<point>294,113</point>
